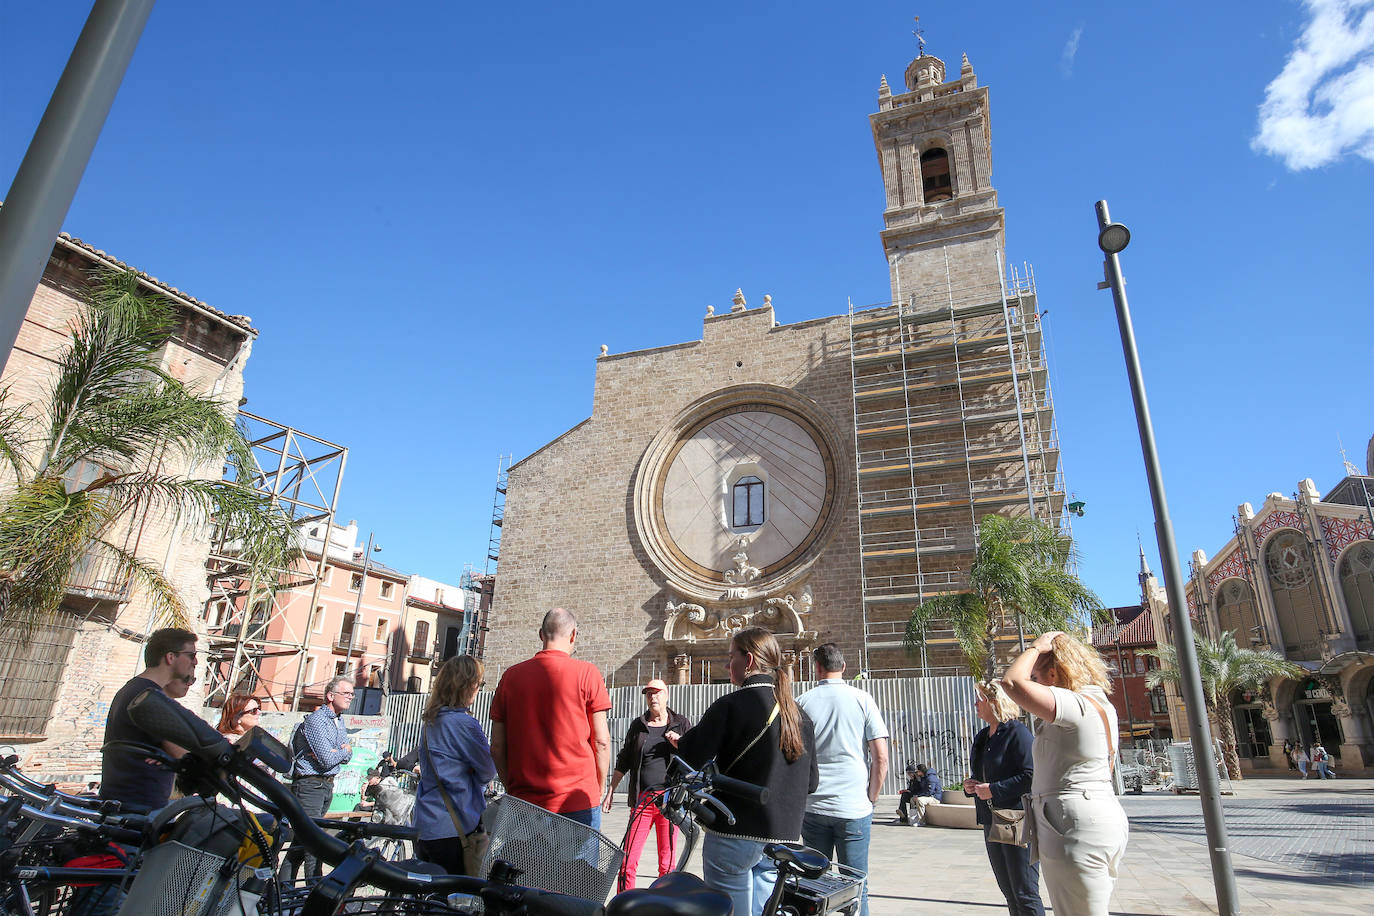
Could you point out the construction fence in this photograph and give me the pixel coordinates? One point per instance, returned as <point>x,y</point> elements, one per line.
<point>931,720</point>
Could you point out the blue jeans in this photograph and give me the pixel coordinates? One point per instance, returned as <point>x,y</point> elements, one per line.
<point>99,900</point>
<point>591,817</point>
<point>845,839</point>
<point>1018,879</point>
<point>740,869</point>
<point>1324,769</point>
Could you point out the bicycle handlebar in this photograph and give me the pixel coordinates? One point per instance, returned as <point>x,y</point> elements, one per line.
<point>109,831</point>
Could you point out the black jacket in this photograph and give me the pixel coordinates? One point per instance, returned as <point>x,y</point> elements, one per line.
<point>723,733</point>
<point>1003,761</point>
<point>631,755</point>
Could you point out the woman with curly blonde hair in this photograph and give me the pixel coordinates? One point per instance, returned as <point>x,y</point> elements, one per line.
<point>1079,828</point>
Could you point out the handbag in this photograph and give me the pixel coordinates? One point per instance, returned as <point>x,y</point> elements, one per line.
<point>474,844</point>
<point>1008,826</point>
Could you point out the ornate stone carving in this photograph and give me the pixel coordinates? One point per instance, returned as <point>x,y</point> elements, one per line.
<point>738,304</point>
<point>682,661</point>
<point>710,310</point>
<point>604,349</point>
<point>687,623</point>
<point>742,572</point>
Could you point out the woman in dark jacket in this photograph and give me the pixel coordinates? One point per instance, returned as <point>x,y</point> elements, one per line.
<point>758,734</point>
<point>1001,767</point>
<point>644,757</point>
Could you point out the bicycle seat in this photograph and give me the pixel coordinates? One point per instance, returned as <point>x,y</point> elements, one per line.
<point>675,894</point>
<point>795,857</point>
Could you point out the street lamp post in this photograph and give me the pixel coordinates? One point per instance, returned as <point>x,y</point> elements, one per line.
<point>48,176</point>
<point>1113,238</point>
<point>358,609</point>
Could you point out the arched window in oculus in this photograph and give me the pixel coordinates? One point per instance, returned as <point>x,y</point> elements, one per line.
<point>747,504</point>
<point>935,183</point>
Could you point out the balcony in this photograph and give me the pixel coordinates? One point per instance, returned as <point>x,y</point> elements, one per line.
<point>97,578</point>
<point>421,653</point>
<point>341,644</point>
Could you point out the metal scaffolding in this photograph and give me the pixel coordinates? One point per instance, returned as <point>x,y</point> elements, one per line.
<point>245,613</point>
<point>486,583</point>
<point>953,419</point>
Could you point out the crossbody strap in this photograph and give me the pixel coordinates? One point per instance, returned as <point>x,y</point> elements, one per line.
<point>448,802</point>
<point>767,725</point>
<point>1107,730</point>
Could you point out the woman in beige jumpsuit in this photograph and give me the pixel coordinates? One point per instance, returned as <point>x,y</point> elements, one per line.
<point>1079,826</point>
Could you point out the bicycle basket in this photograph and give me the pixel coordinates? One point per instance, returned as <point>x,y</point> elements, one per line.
<point>554,853</point>
<point>175,879</point>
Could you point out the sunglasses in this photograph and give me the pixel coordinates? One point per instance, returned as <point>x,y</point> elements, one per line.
<point>252,711</point>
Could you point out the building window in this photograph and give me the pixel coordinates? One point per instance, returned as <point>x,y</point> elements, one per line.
<point>319,620</point>
<point>1140,664</point>
<point>310,672</point>
<point>31,673</point>
<point>420,648</point>
<point>438,596</point>
<point>935,183</point>
<point>346,632</point>
<point>328,574</point>
<point>1159,701</point>
<point>1357,583</point>
<point>386,588</point>
<point>355,582</point>
<point>748,503</point>
<point>1288,559</point>
<point>381,631</point>
<point>340,669</point>
<point>1236,612</point>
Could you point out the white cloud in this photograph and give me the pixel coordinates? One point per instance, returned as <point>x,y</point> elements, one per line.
<point>1321,106</point>
<point>1070,52</point>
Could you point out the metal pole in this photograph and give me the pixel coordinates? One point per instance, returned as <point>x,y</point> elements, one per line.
<point>47,178</point>
<point>358,613</point>
<point>1190,678</point>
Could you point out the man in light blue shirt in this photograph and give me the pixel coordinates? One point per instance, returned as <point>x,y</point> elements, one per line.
<point>851,752</point>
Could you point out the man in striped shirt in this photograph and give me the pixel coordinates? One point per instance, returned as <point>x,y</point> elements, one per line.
<point>319,747</point>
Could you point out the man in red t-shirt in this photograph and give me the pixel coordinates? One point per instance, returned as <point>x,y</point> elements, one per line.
<point>549,737</point>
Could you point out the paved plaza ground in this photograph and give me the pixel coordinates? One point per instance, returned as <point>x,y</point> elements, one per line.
<point>1297,848</point>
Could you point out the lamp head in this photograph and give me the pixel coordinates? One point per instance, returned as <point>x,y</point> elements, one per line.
<point>1113,238</point>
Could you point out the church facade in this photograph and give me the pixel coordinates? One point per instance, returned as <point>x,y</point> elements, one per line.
<point>819,478</point>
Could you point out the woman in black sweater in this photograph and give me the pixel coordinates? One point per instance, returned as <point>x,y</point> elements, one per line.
<point>1001,767</point>
<point>758,734</point>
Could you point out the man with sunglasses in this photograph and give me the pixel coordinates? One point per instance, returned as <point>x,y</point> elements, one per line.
<point>140,782</point>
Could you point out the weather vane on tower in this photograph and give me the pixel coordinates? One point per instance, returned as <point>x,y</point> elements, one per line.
<point>920,34</point>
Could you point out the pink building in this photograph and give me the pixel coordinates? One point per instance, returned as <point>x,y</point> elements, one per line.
<point>364,620</point>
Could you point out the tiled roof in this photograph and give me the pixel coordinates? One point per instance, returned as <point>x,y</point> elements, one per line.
<point>1137,629</point>
<point>238,321</point>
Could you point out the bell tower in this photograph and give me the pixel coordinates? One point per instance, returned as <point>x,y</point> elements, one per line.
<point>943,230</point>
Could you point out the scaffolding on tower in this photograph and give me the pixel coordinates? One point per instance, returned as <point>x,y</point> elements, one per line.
<point>953,420</point>
<point>245,614</point>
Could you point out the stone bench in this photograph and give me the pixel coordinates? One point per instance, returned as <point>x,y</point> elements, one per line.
<point>955,811</point>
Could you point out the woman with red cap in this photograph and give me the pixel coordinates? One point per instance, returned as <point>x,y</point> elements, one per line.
<point>649,744</point>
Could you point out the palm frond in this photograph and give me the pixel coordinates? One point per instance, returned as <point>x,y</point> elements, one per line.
<point>164,602</point>
<point>15,433</point>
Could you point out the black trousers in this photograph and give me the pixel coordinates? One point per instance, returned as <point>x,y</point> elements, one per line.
<point>314,793</point>
<point>446,852</point>
<point>1018,879</point>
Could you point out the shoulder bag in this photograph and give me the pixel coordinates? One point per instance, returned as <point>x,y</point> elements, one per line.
<point>474,844</point>
<point>1008,824</point>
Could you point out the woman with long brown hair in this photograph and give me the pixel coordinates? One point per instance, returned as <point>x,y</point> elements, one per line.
<point>240,712</point>
<point>455,767</point>
<point>758,734</point>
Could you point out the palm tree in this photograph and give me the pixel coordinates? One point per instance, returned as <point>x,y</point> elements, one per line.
<point>1021,569</point>
<point>90,458</point>
<point>1225,668</point>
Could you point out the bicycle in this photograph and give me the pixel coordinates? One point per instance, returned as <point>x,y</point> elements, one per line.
<point>803,887</point>
<point>213,765</point>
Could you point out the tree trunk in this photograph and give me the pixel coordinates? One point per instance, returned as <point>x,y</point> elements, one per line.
<point>1228,737</point>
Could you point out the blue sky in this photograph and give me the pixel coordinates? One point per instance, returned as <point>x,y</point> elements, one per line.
<point>436,212</point>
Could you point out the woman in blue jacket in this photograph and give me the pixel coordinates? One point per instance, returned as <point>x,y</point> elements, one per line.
<point>1001,767</point>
